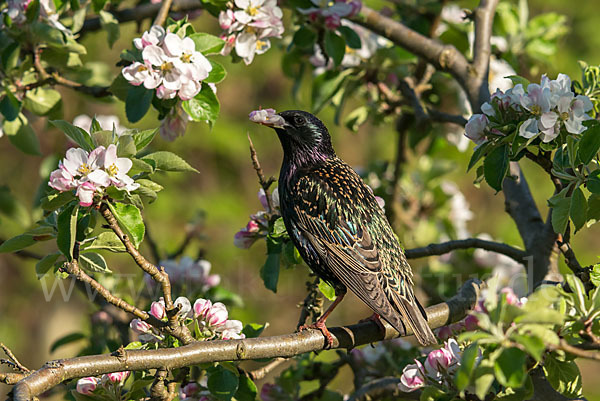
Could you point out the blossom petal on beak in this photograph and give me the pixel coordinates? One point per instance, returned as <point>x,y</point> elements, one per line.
<point>267,117</point>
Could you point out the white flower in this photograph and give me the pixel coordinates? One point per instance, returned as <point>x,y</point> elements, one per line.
<point>412,378</point>
<point>170,75</point>
<point>85,193</point>
<point>475,127</point>
<point>250,10</point>
<point>106,122</point>
<point>267,117</point>
<point>77,162</point>
<point>153,36</point>
<point>247,45</point>
<point>231,330</point>
<point>185,307</point>
<point>115,170</point>
<point>174,124</point>
<point>226,19</point>
<point>138,73</point>
<point>191,62</point>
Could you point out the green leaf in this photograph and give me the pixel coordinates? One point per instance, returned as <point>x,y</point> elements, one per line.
<point>76,134</point>
<point>518,80</point>
<point>137,103</point>
<point>107,240</point>
<point>564,377</point>
<point>483,377</point>
<point>126,146</point>
<point>352,39</point>
<point>325,86</point>
<point>44,264</point>
<point>279,228</point>
<point>247,390</point>
<point>593,184</point>
<point>589,144</point>
<point>41,101</point>
<point>111,25</point>
<point>143,138</point>
<point>560,215</point>
<point>68,339</point>
<point>478,153</point>
<point>10,106</point>
<point>204,106</point>
<point>222,383</point>
<point>17,243</point>
<point>98,5</point>
<point>168,161</point>
<point>270,270</point>
<point>102,138</point>
<point>253,330</point>
<point>66,224</point>
<point>206,43</point>
<point>26,140</point>
<point>13,208</point>
<point>141,166</point>
<point>327,290</point>
<point>510,367</point>
<point>430,393</point>
<point>93,262</point>
<point>10,56</point>
<point>495,166</point>
<point>467,363</point>
<point>217,74</point>
<point>335,46</point>
<point>54,200</point>
<point>130,220</point>
<point>534,345</point>
<point>578,209</point>
<point>517,394</point>
<point>305,38</point>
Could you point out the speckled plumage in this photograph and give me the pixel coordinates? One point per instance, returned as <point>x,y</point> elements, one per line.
<point>338,227</point>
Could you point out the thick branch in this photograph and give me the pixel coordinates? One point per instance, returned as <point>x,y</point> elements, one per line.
<point>441,117</point>
<point>445,247</point>
<point>482,49</point>
<point>54,373</point>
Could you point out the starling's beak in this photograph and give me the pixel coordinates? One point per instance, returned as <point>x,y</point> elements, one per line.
<point>276,121</point>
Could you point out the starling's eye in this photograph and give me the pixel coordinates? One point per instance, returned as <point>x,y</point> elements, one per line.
<point>299,120</point>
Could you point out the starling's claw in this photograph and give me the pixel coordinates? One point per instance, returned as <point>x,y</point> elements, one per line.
<point>320,325</point>
<point>377,319</point>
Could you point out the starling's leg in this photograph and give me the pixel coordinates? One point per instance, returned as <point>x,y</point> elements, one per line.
<point>377,319</point>
<point>320,323</point>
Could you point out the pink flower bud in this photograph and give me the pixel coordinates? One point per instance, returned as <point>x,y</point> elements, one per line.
<point>444,332</point>
<point>212,281</point>
<point>189,390</point>
<point>217,315</point>
<point>413,377</point>
<point>139,326</point>
<point>87,385</point>
<point>157,309</point>
<point>333,22</point>
<point>475,127</point>
<point>438,360</point>
<point>511,297</point>
<point>201,306</point>
<point>252,227</point>
<point>471,323</point>
<point>102,317</point>
<point>117,377</point>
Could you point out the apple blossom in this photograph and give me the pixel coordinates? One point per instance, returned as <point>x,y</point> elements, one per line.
<point>85,193</point>
<point>116,377</point>
<point>87,385</point>
<point>412,378</point>
<point>437,361</point>
<point>175,123</point>
<point>266,117</point>
<point>184,305</point>
<point>231,330</point>
<point>154,36</point>
<point>139,326</point>
<point>106,122</point>
<point>141,73</point>
<point>201,307</point>
<point>475,127</point>
<point>216,315</point>
<point>244,238</point>
<point>157,309</point>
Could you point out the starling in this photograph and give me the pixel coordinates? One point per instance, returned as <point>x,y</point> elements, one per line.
<point>339,229</point>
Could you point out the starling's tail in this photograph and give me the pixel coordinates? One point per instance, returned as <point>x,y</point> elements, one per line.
<point>415,317</point>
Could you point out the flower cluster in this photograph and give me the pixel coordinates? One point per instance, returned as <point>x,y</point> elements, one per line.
<point>213,320</point>
<point>544,110</point>
<point>258,226</point>
<point>437,369</point>
<point>195,273</point>
<point>249,25</point>
<point>87,385</point>
<point>91,173</point>
<point>171,65</point>
<point>16,10</point>
<point>331,13</point>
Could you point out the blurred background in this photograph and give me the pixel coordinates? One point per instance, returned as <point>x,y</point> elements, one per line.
<point>32,317</point>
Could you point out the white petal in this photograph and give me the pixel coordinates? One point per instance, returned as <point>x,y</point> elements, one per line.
<point>173,45</point>
<point>154,55</point>
<point>529,128</point>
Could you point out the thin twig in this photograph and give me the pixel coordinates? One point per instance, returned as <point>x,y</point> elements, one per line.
<point>445,247</point>
<point>375,389</point>
<point>18,365</point>
<point>11,378</point>
<point>161,17</point>
<point>264,183</point>
<point>571,349</point>
<point>441,117</point>
<point>312,304</point>
<point>234,350</point>
<point>407,88</point>
<point>262,372</point>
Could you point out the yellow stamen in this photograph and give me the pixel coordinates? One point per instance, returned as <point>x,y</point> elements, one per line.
<point>166,66</point>
<point>186,58</point>
<point>564,116</point>
<point>260,44</point>
<point>252,11</point>
<point>536,109</point>
<point>84,169</point>
<point>113,170</point>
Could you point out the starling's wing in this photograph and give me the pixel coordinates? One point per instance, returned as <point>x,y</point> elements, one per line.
<point>354,259</point>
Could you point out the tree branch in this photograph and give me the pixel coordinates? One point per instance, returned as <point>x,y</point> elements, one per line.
<point>161,17</point>
<point>260,373</point>
<point>441,117</point>
<point>378,387</point>
<point>482,49</point>
<point>55,372</point>
<point>445,247</point>
<point>264,183</point>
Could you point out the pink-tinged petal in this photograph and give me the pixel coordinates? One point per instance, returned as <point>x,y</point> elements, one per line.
<point>75,158</point>
<point>412,377</point>
<point>85,193</point>
<point>139,326</point>
<point>157,309</point>
<point>87,385</point>
<point>437,361</point>
<point>471,323</point>
<point>152,80</point>
<point>96,158</point>
<point>201,307</point>
<point>110,156</point>
<point>173,45</point>
<point>549,119</point>
<point>164,93</point>
<point>217,315</point>
<point>154,55</point>
<point>117,377</point>
<point>243,4</point>
<point>474,129</point>
<point>99,177</point>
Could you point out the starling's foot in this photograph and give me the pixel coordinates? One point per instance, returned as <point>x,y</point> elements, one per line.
<point>320,325</point>
<point>377,319</point>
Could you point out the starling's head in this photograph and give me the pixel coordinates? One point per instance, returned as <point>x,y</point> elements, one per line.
<point>303,136</point>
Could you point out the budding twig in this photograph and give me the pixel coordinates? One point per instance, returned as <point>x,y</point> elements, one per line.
<point>263,371</point>
<point>163,12</point>
<point>17,365</point>
<point>264,183</point>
